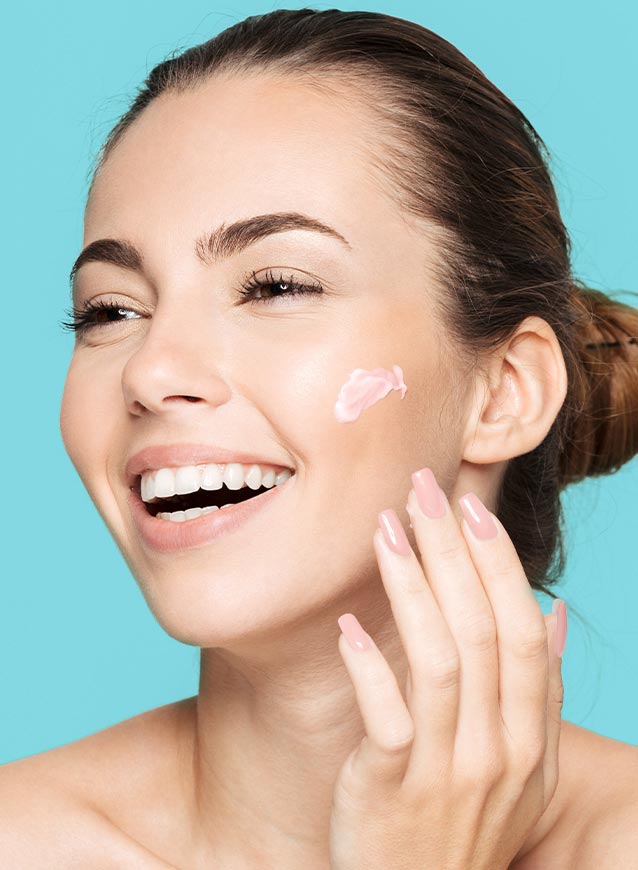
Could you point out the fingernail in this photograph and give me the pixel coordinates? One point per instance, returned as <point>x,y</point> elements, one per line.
<point>428,493</point>
<point>394,533</point>
<point>478,517</point>
<point>560,609</point>
<point>355,635</point>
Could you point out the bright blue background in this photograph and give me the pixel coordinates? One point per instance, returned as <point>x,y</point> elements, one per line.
<point>79,649</point>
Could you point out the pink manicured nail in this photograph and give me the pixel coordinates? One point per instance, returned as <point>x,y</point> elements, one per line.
<point>394,533</point>
<point>560,609</point>
<point>428,493</point>
<point>478,517</point>
<point>355,635</point>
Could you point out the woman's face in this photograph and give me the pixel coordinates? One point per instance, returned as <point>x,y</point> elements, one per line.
<point>194,362</point>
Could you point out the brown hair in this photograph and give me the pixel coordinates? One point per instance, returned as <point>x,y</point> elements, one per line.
<point>457,153</point>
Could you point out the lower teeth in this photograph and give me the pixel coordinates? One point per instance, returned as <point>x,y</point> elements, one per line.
<point>190,514</point>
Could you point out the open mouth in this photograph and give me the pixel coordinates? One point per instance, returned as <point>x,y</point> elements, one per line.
<point>202,498</point>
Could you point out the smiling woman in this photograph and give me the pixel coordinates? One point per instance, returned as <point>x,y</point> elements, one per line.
<point>199,412</point>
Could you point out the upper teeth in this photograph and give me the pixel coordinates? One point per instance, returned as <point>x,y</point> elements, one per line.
<point>166,482</point>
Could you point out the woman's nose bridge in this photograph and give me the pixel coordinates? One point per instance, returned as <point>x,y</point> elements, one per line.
<point>179,355</point>
<point>187,327</point>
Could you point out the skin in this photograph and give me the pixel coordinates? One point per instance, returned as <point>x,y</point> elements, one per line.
<point>245,771</point>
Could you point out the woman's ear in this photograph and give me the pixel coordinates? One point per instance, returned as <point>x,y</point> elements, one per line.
<point>517,395</point>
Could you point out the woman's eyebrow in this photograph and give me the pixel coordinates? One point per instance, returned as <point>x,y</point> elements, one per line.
<point>223,242</point>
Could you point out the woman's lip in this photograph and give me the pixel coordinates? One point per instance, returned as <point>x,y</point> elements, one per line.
<point>166,536</point>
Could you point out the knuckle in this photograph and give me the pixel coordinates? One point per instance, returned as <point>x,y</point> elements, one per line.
<point>557,693</point>
<point>494,772</point>
<point>444,670</point>
<point>397,740</point>
<point>413,584</point>
<point>531,640</point>
<point>531,756</point>
<point>483,769</point>
<point>503,568</point>
<point>479,632</point>
<point>451,551</point>
<point>555,717</point>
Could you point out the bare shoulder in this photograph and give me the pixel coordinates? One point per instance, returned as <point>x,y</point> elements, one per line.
<point>611,841</point>
<point>72,804</point>
<point>41,826</point>
<point>591,822</point>
<point>608,829</point>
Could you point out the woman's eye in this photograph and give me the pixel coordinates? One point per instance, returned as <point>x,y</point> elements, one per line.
<point>253,290</point>
<point>96,314</point>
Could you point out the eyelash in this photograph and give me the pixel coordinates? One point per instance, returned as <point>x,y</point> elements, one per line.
<point>83,318</point>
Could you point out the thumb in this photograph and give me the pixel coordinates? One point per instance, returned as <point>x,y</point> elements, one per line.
<point>556,622</point>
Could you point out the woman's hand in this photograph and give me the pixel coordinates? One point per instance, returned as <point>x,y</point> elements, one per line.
<point>457,778</point>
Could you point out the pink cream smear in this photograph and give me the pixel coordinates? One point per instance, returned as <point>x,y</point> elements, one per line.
<point>363,388</point>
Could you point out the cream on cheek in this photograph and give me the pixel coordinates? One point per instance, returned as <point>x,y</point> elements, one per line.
<point>365,387</point>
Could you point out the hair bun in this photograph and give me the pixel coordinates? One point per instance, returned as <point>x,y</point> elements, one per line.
<point>603,431</point>
<point>604,321</point>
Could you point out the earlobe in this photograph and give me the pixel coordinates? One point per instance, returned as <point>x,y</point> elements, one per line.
<point>518,403</point>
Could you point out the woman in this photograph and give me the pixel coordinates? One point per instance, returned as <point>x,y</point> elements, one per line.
<point>325,274</point>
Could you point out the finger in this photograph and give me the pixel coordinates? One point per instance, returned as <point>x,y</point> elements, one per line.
<point>521,631</point>
<point>383,754</point>
<point>554,701</point>
<point>458,590</point>
<point>429,646</point>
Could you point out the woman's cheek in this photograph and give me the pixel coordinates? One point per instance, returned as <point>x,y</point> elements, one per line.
<point>365,387</point>
<point>87,415</point>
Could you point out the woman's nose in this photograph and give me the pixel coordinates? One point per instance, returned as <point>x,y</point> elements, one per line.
<point>177,362</point>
